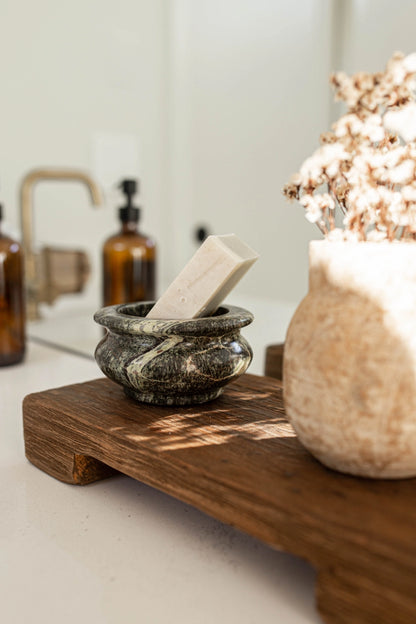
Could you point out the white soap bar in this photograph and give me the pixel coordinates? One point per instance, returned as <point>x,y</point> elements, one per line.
<point>206,280</point>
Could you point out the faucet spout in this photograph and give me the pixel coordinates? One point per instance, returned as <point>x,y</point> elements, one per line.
<point>26,214</point>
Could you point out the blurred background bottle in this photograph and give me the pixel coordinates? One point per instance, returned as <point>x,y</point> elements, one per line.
<point>12,312</point>
<point>129,257</point>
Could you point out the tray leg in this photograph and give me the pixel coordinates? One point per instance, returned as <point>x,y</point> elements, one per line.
<point>48,446</point>
<point>349,596</point>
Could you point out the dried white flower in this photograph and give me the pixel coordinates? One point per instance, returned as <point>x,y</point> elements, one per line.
<point>411,214</point>
<point>315,205</point>
<point>402,174</point>
<point>409,63</point>
<point>347,124</point>
<point>368,162</point>
<point>409,193</point>
<point>326,201</point>
<point>396,209</point>
<point>372,128</point>
<point>402,122</point>
<point>336,235</point>
<point>311,172</point>
<point>351,236</point>
<point>394,156</point>
<point>365,201</point>
<point>397,70</point>
<point>313,210</point>
<point>376,236</point>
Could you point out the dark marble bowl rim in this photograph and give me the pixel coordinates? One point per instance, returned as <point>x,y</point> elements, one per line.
<point>128,318</point>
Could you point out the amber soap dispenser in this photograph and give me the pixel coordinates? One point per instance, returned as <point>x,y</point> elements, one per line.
<point>129,257</point>
<point>12,312</point>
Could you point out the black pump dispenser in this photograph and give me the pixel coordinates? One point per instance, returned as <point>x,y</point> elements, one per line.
<point>129,257</point>
<point>129,212</point>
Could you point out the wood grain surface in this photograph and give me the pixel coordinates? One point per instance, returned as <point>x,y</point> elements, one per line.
<point>238,460</point>
<point>274,360</point>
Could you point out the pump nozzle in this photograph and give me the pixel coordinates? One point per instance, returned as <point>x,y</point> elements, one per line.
<point>129,212</point>
<point>129,188</point>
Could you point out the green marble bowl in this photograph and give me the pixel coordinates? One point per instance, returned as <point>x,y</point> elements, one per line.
<point>172,362</point>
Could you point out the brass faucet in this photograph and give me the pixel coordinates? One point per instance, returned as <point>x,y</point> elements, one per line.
<point>42,282</point>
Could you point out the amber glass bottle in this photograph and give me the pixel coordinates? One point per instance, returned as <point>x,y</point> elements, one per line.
<point>129,258</point>
<point>12,313</point>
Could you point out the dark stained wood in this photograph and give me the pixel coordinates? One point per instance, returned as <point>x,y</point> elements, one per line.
<point>274,361</point>
<point>238,460</point>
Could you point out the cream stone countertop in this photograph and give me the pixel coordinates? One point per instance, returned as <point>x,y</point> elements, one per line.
<point>118,551</point>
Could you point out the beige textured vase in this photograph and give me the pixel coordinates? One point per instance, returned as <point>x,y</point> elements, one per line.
<point>350,359</point>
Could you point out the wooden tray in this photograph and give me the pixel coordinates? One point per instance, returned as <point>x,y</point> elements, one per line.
<point>238,460</point>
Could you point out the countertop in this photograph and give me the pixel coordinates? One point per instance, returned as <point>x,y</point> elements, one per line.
<point>118,551</point>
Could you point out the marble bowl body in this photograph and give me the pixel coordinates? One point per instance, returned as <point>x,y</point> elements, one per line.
<point>172,362</point>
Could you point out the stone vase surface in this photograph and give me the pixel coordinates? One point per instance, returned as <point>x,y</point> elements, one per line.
<point>350,359</point>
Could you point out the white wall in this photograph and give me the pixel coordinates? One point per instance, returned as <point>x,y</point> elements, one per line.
<point>373,30</point>
<point>226,99</point>
<point>250,97</point>
<point>70,70</point>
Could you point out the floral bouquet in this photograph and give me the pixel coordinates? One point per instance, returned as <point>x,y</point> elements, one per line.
<point>366,166</point>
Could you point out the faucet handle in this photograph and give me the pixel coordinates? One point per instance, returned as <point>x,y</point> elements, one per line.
<point>66,271</point>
